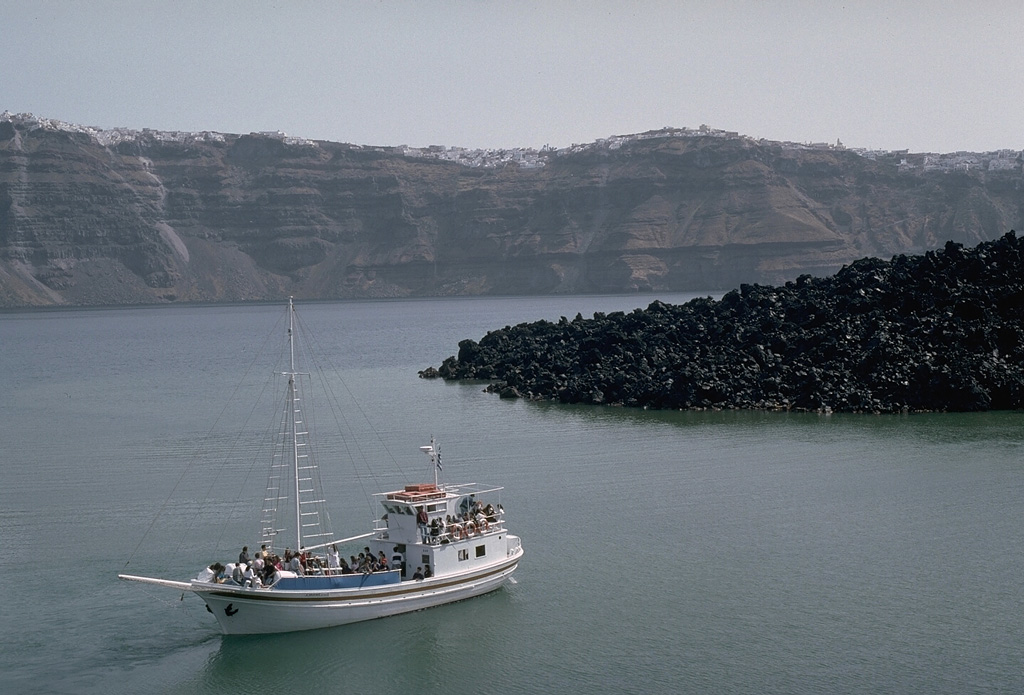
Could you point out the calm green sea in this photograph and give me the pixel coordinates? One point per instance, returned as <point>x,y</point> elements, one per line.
<point>715,552</point>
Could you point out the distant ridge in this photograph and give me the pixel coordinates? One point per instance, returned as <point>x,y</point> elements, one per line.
<point>531,157</point>
<point>117,216</point>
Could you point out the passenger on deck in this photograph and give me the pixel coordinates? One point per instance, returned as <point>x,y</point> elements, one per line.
<point>332,559</point>
<point>251,579</point>
<point>382,562</point>
<point>276,562</point>
<point>208,574</point>
<point>427,572</point>
<point>421,522</point>
<point>238,574</point>
<point>345,569</point>
<point>271,564</point>
<point>418,574</point>
<point>243,557</point>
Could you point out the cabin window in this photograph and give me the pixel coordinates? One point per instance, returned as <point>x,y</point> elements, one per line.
<point>463,555</point>
<point>481,550</point>
<point>436,507</point>
<point>425,560</point>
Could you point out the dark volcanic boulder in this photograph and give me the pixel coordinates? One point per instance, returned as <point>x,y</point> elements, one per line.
<point>940,331</point>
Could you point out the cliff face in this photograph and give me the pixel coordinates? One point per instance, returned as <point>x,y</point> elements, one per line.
<point>225,217</point>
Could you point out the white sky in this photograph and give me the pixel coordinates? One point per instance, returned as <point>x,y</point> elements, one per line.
<point>927,75</point>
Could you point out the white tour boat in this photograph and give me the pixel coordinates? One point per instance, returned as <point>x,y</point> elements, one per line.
<point>439,543</point>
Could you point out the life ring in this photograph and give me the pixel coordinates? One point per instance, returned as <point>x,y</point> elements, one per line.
<point>470,528</point>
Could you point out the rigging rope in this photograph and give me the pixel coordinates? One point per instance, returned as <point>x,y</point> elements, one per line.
<point>199,452</point>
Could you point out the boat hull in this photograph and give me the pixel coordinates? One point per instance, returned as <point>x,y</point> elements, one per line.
<point>259,611</point>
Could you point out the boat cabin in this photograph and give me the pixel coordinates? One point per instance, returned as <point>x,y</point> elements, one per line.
<point>441,529</point>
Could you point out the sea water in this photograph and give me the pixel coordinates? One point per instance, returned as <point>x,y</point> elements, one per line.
<point>724,552</point>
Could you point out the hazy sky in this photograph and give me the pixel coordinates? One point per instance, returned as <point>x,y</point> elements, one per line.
<point>922,74</point>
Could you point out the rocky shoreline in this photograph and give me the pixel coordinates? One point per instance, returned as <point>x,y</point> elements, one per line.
<point>940,331</point>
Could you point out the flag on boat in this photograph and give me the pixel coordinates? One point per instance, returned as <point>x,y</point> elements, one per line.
<point>434,453</point>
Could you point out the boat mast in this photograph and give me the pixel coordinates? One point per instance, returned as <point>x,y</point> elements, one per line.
<point>294,397</point>
<point>433,452</point>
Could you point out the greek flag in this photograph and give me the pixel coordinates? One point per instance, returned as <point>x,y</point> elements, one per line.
<point>438,460</point>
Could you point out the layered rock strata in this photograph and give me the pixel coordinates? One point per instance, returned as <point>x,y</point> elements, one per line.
<point>93,217</point>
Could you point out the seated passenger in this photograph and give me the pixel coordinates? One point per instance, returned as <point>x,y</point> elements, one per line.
<point>418,574</point>
<point>251,578</point>
<point>207,574</point>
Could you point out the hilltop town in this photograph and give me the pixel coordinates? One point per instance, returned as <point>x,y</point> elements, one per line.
<point>529,158</point>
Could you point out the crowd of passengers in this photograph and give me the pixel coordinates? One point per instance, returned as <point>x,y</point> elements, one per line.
<point>475,518</point>
<point>260,571</point>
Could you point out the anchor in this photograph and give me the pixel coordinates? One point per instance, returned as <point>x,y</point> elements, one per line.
<point>229,611</point>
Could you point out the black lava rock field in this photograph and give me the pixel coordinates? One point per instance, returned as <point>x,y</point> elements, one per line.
<point>937,332</point>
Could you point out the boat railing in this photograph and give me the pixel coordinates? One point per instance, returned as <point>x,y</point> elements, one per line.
<point>465,529</point>
<point>453,532</point>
